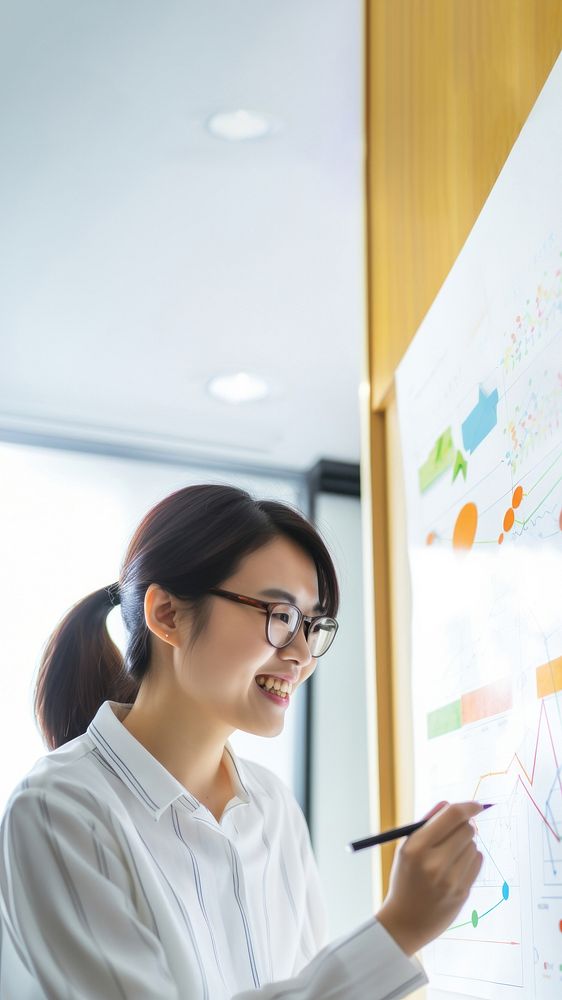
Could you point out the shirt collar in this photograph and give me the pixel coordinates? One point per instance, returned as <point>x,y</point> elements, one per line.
<point>145,776</point>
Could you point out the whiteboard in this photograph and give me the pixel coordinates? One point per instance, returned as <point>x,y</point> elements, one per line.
<point>480,412</point>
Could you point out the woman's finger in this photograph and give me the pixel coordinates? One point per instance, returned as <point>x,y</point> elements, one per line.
<point>467,866</point>
<point>441,826</point>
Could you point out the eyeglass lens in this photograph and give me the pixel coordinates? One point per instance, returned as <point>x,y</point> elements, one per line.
<point>283,622</point>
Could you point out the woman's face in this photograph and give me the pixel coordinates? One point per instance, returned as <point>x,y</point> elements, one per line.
<point>219,671</point>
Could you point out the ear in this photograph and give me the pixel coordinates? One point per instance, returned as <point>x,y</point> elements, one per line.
<point>159,612</point>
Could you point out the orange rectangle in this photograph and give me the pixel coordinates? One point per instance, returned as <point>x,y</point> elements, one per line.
<point>485,701</point>
<point>549,678</point>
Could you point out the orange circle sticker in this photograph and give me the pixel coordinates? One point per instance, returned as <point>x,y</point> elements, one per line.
<point>464,531</point>
<point>517,496</point>
<point>509,519</point>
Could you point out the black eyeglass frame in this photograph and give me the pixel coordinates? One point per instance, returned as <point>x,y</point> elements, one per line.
<point>267,606</point>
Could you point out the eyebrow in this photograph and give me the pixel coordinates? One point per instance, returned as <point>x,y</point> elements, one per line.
<point>275,592</point>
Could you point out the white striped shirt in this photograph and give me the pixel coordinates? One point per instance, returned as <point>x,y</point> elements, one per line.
<point>117,883</point>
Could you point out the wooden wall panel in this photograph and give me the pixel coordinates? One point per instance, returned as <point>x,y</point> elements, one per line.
<point>449,84</point>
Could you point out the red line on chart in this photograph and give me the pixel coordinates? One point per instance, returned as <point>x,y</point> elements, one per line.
<point>530,778</point>
<point>540,812</point>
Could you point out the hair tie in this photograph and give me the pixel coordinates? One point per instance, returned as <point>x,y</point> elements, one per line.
<point>113,593</point>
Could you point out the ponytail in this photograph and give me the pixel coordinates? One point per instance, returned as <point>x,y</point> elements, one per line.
<point>191,541</point>
<point>79,669</point>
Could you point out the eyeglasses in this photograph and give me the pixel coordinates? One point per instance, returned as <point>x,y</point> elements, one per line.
<point>284,621</point>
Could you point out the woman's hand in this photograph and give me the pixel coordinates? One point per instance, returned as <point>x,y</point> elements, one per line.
<point>431,876</point>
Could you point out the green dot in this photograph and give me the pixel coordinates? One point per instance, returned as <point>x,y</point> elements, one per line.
<point>474,918</point>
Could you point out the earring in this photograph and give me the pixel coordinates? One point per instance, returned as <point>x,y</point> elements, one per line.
<point>166,634</point>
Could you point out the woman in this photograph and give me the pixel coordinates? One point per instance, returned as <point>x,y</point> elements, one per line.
<point>142,858</point>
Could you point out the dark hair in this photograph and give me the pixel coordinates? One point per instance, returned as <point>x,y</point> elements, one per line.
<point>188,542</point>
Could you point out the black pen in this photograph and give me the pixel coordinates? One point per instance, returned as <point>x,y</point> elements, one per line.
<point>399,831</point>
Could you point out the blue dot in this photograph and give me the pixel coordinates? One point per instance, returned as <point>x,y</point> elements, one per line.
<point>505,890</point>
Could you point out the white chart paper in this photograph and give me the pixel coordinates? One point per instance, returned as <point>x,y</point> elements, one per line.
<point>480,410</point>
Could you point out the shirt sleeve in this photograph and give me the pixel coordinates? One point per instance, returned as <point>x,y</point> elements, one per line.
<point>67,904</point>
<point>364,963</point>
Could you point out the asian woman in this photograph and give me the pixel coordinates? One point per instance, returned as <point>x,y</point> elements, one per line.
<point>141,858</point>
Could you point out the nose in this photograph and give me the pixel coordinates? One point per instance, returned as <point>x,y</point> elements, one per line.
<point>297,649</point>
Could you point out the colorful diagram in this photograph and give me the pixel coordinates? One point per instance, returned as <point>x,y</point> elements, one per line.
<point>465,526</point>
<point>485,545</point>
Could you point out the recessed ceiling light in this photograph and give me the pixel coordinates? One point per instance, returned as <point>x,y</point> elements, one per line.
<point>241,124</point>
<point>239,388</point>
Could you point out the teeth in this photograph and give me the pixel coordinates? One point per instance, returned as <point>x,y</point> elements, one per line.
<point>273,683</point>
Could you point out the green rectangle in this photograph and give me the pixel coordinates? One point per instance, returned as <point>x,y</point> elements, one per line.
<point>444,720</point>
<point>440,458</point>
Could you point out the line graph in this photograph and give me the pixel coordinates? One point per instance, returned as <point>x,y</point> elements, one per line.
<point>524,776</point>
<point>529,774</point>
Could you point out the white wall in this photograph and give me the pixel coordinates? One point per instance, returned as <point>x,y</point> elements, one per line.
<point>339,779</point>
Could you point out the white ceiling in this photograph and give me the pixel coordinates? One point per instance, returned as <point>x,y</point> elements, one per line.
<point>139,255</point>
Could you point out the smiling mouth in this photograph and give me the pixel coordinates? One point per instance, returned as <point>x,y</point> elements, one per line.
<point>278,696</point>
